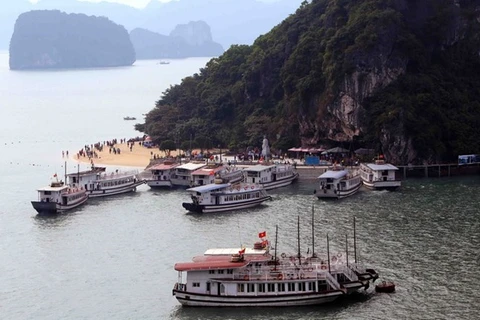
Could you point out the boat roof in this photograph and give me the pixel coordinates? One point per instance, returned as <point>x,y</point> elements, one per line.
<point>191,166</point>
<point>93,170</point>
<point>333,174</point>
<point>209,187</point>
<point>163,166</point>
<point>221,260</point>
<point>206,171</point>
<point>381,167</point>
<point>50,188</point>
<point>259,167</point>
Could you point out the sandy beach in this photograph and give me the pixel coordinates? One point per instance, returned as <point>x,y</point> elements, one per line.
<point>139,156</point>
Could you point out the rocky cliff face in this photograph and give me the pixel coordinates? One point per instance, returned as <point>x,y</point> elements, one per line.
<point>188,40</point>
<point>53,39</point>
<point>341,117</point>
<point>195,32</point>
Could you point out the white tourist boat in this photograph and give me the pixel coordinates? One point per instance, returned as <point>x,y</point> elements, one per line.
<point>161,174</point>
<point>225,197</point>
<point>379,175</point>
<point>216,173</point>
<point>338,182</point>
<point>183,173</point>
<point>98,183</point>
<point>58,197</point>
<point>271,176</point>
<point>255,277</point>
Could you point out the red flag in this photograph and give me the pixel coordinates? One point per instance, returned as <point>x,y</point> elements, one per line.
<point>55,175</point>
<point>262,234</point>
<point>241,251</point>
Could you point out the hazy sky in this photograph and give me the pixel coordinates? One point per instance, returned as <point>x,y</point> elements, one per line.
<point>136,3</point>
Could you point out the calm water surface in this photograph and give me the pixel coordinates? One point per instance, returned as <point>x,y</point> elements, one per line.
<point>113,258</point>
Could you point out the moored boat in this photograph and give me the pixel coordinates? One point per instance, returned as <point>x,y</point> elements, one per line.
<point>379,175</point>
<point>182,175</point>
<point>271,176</point>
<point>385,286</point>
<point>98,183</point>
<point>225,197</point>
<point>338,182</point>
<point>256,277</point>
<point>216,173</point>
<point>58,197</point>
<point>161,174</point>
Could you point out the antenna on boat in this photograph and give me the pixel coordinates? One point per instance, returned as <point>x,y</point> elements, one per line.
<point>65,172</point>
<point>276,241</point>
<point>346,247</point>
<point>298,240</point>
<point>328,254</point>
<point>354,241</point>
<point>313,232</point>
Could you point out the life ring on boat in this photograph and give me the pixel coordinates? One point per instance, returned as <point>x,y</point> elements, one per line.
<point>246,278</point>
<point>334,259</point>
<point>324,267</point>
<point>283,255</point>
<point>246,187</point>
<point>253,187</point>
<point>280,277</point>
<point>310,269</point>
<point>339,255</point>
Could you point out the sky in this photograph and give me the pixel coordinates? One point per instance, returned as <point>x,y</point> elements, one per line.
<point>134,3</point>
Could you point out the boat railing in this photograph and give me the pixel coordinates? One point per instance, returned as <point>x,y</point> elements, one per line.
<point>332,282</point>
<point>349,273</point>
<point>116,175</point>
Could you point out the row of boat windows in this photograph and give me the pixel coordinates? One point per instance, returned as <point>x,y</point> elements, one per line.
<point>115,183</point>
<point>276,287</point>
<point>242,196</point>
<point>229,271</point>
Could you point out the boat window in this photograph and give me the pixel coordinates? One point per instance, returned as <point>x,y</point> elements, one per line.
<point>271,287</point>
<point>230,271</point>
<point>240,287</point>
<point>196,284</point>
<point>311,286</point>
<point>220,271</point>
<point>47,193</point>
<point>302,286</point>
<point>251,287</point>
<point>291,286</point>
<point>211,271</point>
<point>261,287</point>
<point>281,287</point>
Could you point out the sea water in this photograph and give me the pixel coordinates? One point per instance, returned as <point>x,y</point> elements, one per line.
<point>113,258</point>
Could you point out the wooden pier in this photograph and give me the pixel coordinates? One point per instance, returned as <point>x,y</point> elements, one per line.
<point>437,170</point>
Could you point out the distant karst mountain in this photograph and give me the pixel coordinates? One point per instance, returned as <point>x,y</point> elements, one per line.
<point>53,39</point>
<point>231,21</point>
<point>186,40</point>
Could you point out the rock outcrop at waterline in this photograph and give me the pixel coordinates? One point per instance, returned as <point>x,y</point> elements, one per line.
<point>50,39</point>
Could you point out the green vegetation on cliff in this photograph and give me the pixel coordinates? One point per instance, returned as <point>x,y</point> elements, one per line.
<point>54,39</point>
<point>395,74</point>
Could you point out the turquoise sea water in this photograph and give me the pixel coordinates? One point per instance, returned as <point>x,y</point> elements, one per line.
<point>113,258</point>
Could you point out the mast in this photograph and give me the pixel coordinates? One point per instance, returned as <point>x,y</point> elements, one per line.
<point>276,241</point>
<point>313,232</point>
<point>65,173</point>
<point>78,175</point>
<point>328,254</point>
<point>354,241</point>
<point>298,240</point>
<point>346,248</point>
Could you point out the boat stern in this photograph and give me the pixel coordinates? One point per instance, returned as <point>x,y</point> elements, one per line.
<point>193,207</point>
<point>43,207</point>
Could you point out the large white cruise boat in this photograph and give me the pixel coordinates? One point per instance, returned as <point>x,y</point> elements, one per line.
<point>379,175</point>
<point>271,176</point>
<point>225,197</point>
<point>182,175</point>
<point>98,183</point>
<point>160,174</point>
<point>58,197</point>
<point>256,277</point>
<point>216,173</point>
<point>338,182</point>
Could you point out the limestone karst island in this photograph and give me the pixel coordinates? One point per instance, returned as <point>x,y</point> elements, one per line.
<point>51,39</point>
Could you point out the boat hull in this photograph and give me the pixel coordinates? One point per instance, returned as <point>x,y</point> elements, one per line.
<point>159,184</point>
<point>329,194</point>
<point>200,208</point>
<point>52,207</point>
<point>301,299</point>
<point>382,185</point>
<point>115,190</point>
